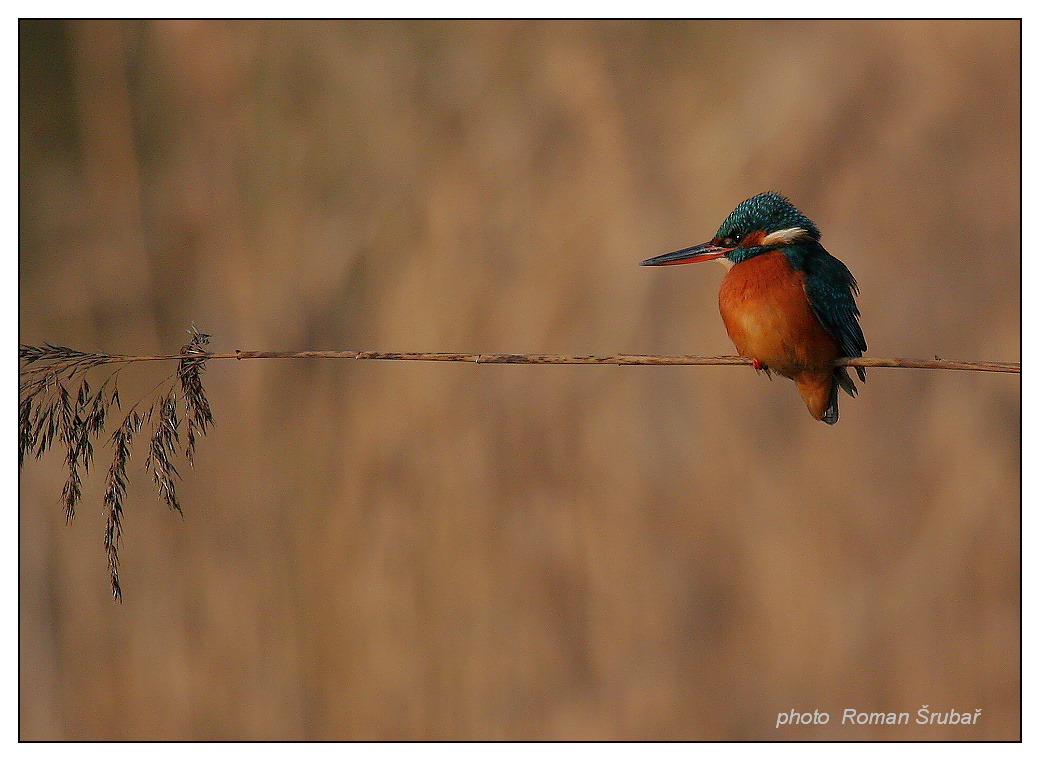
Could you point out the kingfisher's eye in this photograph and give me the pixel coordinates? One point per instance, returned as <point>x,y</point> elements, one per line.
<point>732,240</point>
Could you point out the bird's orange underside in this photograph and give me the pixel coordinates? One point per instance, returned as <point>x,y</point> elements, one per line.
<point>768,317</point>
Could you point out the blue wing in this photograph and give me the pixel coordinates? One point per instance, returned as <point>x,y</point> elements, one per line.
<point>831,289</point>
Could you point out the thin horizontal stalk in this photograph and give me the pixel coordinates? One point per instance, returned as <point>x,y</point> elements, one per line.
<point>560,359</point>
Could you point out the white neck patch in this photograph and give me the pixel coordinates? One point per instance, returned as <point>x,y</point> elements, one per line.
<point>790,235</point>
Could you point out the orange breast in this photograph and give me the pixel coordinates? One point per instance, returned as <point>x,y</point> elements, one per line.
<point>768,317</point>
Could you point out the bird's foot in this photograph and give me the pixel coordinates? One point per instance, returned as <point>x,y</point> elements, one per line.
<point>757,364</point>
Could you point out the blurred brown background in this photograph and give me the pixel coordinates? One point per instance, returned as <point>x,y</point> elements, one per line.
<point>448,551</point>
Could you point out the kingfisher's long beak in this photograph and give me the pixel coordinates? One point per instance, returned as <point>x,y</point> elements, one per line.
<point>701,253</point>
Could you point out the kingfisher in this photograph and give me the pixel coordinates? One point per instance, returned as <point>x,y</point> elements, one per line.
<point>787,304</point>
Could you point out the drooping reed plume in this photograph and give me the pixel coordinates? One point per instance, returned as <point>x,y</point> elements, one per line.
<point>56,402</point>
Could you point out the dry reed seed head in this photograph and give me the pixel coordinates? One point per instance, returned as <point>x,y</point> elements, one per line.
<point>162,446</point>
<point>115,491</point>
<point>196,405</point>
<point>26,425</point>
<point>48,409</point>
<point>197,341</point>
